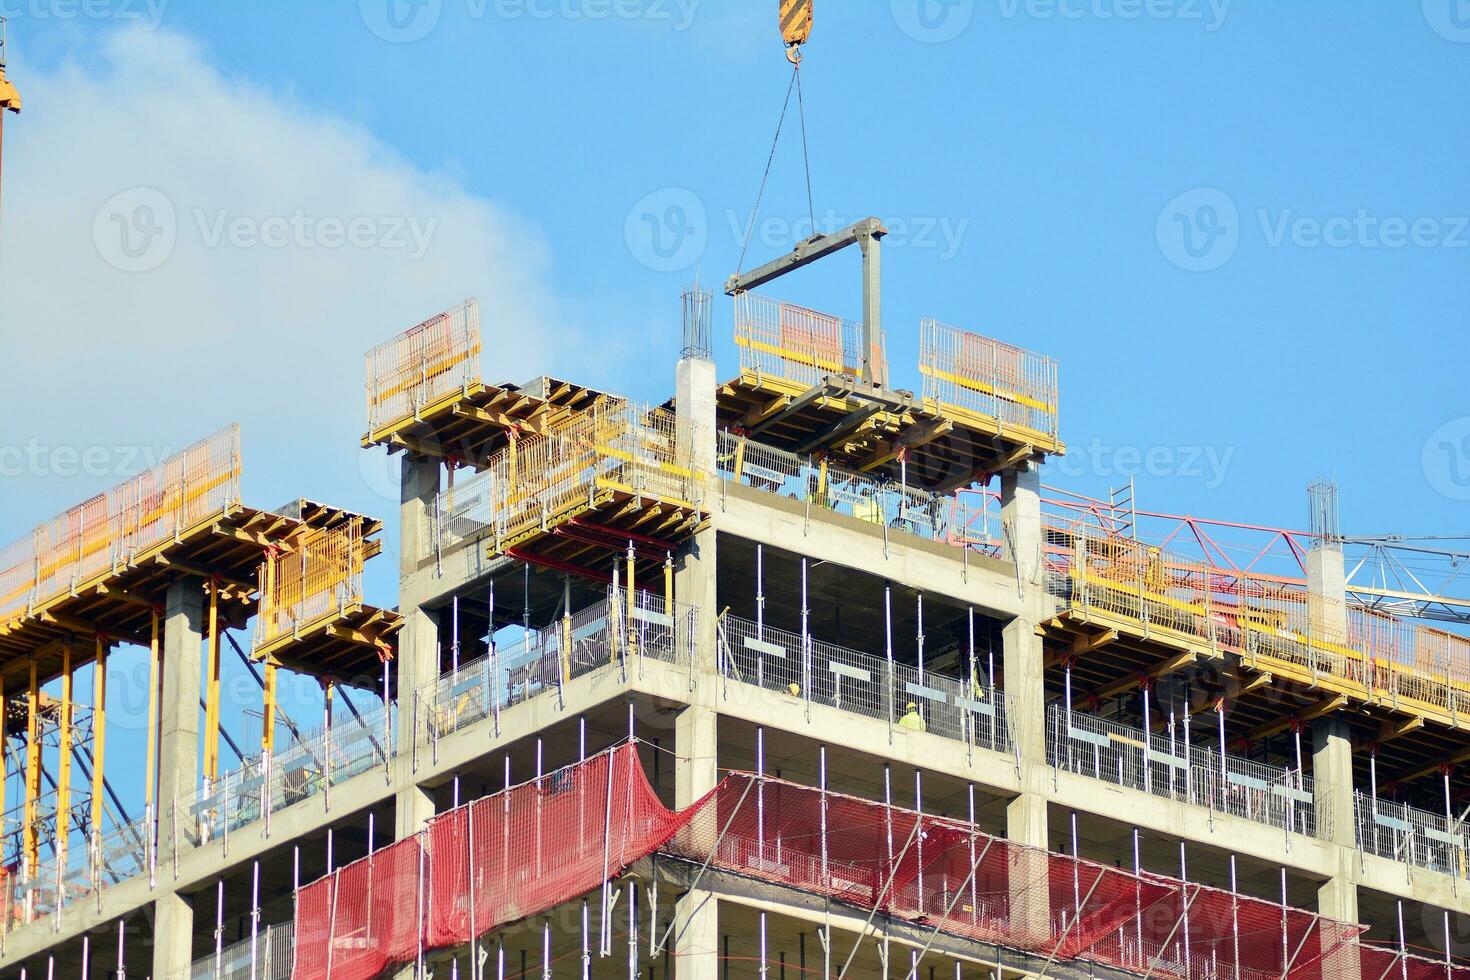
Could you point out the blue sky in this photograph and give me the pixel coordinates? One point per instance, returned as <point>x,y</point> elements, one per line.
<point>1240,227</point>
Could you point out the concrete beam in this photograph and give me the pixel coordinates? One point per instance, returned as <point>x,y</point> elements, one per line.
<point>178,732</point>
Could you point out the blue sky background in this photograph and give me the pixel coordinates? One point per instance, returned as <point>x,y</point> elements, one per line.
<point>1128,186</point>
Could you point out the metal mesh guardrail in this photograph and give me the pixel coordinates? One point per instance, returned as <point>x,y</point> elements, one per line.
<point>1416,837</point>
<point>311,764</point>
<point>317,581</point>
<point>421,365</point>
<point>266,956</point>
<point>783,340</point>
<point>886,504</point>
<point>1015,387</point>
<point>541,660</point>
<point>540,479</point>
<point>863,684</point>
<point>105,534</point>
<point>1165,765</point>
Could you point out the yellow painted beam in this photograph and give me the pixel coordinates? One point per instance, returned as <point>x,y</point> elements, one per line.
<point>268,721</point>
<point>211,704</point>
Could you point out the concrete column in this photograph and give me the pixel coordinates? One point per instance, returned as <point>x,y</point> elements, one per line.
<point>696,939</point>
<point>1327,588</point>
<point>1024,661</point>
<point>178,744</point>
<point>173,934</point>
<point>1332,776</point>
<point>418,643</point>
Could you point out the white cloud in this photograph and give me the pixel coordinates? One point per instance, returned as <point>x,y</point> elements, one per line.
<point>292,241</point>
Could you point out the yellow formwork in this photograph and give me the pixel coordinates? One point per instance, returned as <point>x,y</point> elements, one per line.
<point>1367,655</point>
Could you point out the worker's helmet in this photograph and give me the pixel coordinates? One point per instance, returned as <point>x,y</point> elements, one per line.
<point>913,707</point>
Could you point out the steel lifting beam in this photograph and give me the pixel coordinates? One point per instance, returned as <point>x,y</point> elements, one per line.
<point>866,234</point>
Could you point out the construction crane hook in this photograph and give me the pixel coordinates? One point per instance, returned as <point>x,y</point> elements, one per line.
<point>9,96</point>
<point>796,27</point>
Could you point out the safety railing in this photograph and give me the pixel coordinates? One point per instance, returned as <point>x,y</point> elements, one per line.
<point>886,504</point>
<point>308,767</point>
<point>540,661</point>
<point>1015,387</point>
<point>1166,765</point>
<point>783,340</point>
<point>824,673</point>
<point>317,581</point>
<point>422,365</point>
<point>539,480</point>
<point>265,956</point>
<point>1416,837</point>
<point>1264,621</point>
<point>108,532</point>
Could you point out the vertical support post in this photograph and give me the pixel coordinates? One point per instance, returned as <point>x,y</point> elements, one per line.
<point>63,762</point>
<point>872,366</point>
<point>30,843</point>
<point>99,756</point>
<point>212,720</point>
<point>150,765</point>
<point>417,660</point>
<point>632,601</point>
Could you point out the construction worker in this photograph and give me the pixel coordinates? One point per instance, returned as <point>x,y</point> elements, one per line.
<point>912,720</point>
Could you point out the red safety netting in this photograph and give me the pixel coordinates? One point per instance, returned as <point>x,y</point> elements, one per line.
<point>528,849</point>
<point>1390,964</point>
<point>355,923</point>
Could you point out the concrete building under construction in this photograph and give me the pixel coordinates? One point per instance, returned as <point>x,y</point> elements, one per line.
<point>800,672</point>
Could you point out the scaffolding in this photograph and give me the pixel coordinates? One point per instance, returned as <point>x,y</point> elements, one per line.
<point>605,477</point>
<point>985,407</point>
<point>1281,627</point>
<point>97,539</point>
<point>312,615</point>
<point>990,383</point>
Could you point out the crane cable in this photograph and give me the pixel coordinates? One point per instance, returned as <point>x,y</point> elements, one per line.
<point>796,30</point>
